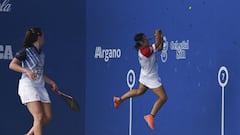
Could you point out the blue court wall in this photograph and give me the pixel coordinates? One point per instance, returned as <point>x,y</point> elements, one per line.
<point>201,36</point>
<point>63,23</point>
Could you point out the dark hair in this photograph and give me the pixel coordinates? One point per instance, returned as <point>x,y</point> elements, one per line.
<point>31,36</point>
<point>138,38</point>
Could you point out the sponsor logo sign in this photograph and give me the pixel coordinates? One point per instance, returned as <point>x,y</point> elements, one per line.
<point>6,52</point>
<point>5,6</point>
<point>107,54</point>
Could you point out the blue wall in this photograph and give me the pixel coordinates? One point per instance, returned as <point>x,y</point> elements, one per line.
<point>201,36</point>
<point>210,30</point>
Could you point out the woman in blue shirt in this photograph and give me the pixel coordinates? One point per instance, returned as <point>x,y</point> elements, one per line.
<point>30,62</point>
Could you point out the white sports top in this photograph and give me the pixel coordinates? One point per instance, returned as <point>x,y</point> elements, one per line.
<point>149,67</point>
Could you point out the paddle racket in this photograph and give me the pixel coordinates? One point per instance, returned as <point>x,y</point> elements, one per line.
<point>70,101</point>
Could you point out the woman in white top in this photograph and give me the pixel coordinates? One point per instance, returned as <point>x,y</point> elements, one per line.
<point>30,62</point>
<point>149,78</point>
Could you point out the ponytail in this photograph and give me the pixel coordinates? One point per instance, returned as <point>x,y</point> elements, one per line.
<point>31,36</point>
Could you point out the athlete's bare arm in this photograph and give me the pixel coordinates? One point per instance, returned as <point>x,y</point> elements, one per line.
<point>158,39</point>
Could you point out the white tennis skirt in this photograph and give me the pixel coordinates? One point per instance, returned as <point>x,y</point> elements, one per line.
<point>150,82</point>
<point>30,93</point>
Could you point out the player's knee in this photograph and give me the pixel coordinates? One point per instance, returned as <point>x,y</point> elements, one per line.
<point>39,117</point>
<point>164,98</point>
<point>48,119</point>
<point>139,92</point>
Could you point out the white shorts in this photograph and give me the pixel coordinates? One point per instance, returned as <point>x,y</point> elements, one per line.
<point>151,82</point>
<point>29,93</point>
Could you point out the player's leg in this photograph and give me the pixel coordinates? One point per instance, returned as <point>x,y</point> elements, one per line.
<point>162,98</point>
<point>36,109</point>
<point>47,116</point>
<point>30,132</point>
<point>131,93</point>
<point>47,113</point>
<point>134,92</point>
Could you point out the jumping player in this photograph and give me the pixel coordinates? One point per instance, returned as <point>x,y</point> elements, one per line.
<point>30,62</point>
<point>149,78</point>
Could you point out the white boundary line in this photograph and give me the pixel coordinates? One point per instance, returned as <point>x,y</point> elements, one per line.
<point>130,82</point>
<point>223,72</point>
